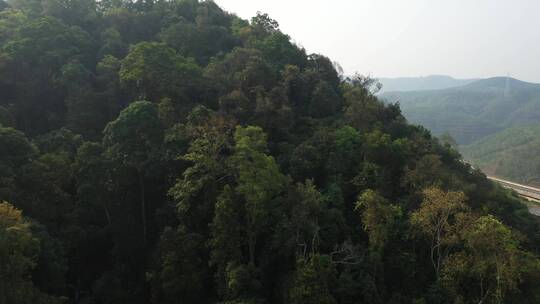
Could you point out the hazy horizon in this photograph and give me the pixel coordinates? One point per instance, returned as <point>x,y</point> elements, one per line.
<point>390,38</point>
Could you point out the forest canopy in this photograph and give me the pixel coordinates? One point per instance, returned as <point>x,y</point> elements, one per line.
<point>167,151</point>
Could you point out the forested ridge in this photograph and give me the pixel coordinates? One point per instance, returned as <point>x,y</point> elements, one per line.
<point>513,153</point>
<point>171,152</point>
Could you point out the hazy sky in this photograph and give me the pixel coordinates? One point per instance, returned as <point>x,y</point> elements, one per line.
<point>461,38</point>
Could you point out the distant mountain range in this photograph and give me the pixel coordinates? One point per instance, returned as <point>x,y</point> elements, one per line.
<point>473,111</point>
<point>432,82</point>
<point>496,121</point>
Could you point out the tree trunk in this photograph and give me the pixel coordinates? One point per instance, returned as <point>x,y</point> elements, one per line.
<point>438,270</point>
<point>143,205</point>
<point>252,242</point>
<point>107,214</point>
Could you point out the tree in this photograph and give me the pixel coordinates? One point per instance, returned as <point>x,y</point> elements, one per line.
<point>44,190</point>
<point>258,178</point>
<point>438,219</point>
<point>87,112</point>
<point>196,190</point>
<point>201,41</point>
<point>200,199</point>
<point>34,57</point>
<point>108,85</point>
<point>491,265</point>
<point>133,140</point>
<point>155,71</point>
<point>378,219</point>
<point>313,281</point>
<point>15,151</point>
<point>181,272</point>
<point>236,104</point>
<point>242,69</point>
<point>227,240</point>
<point>18,252</point>
<point>278,49</point>
<point>264,24</point>
<point>243,213</point>
<point>10,21</point>
<point>428,171</point>
<point>383,162</point>
<point>325,101</point>
<point>346,154</point>
<point>113,44</point>
<point>307,206</point>
<point>448,140</point>
<point>362,107</point>
<point>92,179</point>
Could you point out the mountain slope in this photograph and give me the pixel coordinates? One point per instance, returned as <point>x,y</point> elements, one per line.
<point>473,111</point>
<point>431,82</point>
<point>513,153</point>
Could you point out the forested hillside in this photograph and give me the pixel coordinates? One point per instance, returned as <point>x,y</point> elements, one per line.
<point>513,153</point>
<point>473,111</point>
<point>171,152</point>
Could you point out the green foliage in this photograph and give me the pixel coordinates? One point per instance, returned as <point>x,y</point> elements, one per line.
<point>511,153</point>
<point>323,101</point>
<point>132,140</point>
<point>439,219</point>
<point>15,151</point>
<point>10,20</point>
<point>378,219</point>
<point>258,174</point>
<point>313,280</point>
<point>156,71</point>
<point>491,265</point>
<point>133,137</point>
<point>254,173</point>
<point>201,41</point>
<point>18,253</point>
<point>264,23</point>
<point>181,272</point>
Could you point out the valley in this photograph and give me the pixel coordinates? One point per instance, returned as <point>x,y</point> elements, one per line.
<point>495,123</point>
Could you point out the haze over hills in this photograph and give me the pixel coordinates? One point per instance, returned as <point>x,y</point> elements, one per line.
<point>431,82</point>
<point>472,111</point>
<point>495,121</point>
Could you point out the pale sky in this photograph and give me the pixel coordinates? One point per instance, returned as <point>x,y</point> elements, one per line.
<point>393,38</point>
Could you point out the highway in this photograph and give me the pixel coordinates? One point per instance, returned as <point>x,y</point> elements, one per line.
<point>530,193</point>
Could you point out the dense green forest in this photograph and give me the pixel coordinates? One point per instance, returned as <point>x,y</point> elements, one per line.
<point>171,152</point>
<point>513,153</point>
